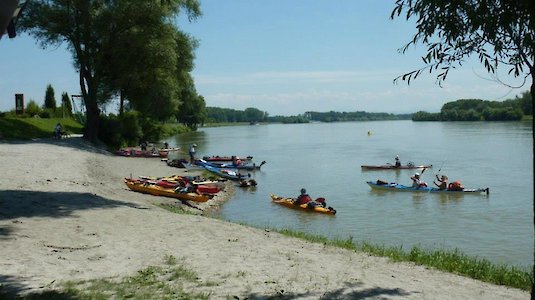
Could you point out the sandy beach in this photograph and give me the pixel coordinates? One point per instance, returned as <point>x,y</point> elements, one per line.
<point>65,214</point>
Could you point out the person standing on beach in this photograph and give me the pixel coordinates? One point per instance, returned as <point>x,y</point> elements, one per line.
<point>192,153</point>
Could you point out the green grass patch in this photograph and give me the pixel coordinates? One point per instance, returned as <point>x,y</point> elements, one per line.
<point>29,128</point>
<point>154,282</point>
<point>452,261</point>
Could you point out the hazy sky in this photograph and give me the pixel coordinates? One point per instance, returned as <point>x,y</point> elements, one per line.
<point>283,57</point>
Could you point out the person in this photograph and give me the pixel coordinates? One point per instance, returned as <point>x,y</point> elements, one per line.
<point>303,198</point>
<point>192,153</point>
<point>166,145</point>
<point>442,182</point>
<point>144,145</point>
<point>416,182</point>
<point>57,131</point>
<point>398,163</point>
<point>236,161</point>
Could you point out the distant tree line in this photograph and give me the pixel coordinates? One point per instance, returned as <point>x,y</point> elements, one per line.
<point>333,116</point>
<point>228,115</point>
<point>481,110</point>
<point>253,115</point>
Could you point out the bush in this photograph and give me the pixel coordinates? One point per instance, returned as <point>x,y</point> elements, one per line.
<point>32,109</point>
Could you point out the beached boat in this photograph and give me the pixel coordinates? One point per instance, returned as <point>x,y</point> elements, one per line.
<point>288,202</point>
<point>133,152</point>
<point>225,158</point>
<point>396,187</point>
<point>393,167</point>
<point>156,190</point>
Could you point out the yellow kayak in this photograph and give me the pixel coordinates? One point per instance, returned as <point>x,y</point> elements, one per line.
<point>156,190</point>
<point>288,202</point>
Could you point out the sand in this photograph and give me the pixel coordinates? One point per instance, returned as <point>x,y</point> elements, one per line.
<point>65,214</point>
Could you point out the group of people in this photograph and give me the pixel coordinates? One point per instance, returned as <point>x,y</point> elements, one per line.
<point>441,183</point>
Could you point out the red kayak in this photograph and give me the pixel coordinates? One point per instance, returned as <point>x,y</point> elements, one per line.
<point>392,167</point>
<point>225,158</point>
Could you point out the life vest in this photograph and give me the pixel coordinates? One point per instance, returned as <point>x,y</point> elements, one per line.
<point>455,186</point>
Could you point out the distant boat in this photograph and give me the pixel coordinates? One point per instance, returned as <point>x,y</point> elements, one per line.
<point>393,167</point>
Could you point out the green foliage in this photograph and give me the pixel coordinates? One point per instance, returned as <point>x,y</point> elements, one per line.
<point>498,32</point>
<point>117,46</point>
<point>192,110</point>
<point>228,115</point>
<point>333,116</point>
<point>477,110</point>
<point>299,119</point>
<point>66,106</point>
<point>32,108</point>
<point>120,131</point>
<point>50,98</point>
<point>28,128</point>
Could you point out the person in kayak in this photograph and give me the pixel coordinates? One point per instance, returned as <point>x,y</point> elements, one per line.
<point>417,182</point>
<point>397,163</point>
<point>442,182</point>
<point>303,198</point>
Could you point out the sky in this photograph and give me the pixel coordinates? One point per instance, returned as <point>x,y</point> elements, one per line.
<point>284,58</point>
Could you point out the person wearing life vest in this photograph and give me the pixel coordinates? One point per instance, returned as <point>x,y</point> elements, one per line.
<point>416,182</point>
<point>303,198</point>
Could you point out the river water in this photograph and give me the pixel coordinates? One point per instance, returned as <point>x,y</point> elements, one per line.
<point>325,158</point>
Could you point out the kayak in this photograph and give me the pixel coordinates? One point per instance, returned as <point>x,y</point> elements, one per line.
<point>226,173</point>
<point>243,166</point>
<point>132,152</point>
<point>288,202</point>
<point>225,158</point>
<point>393,167</point>
<point>176,181</point>
<point>156,190</point>
<point>396,187</point>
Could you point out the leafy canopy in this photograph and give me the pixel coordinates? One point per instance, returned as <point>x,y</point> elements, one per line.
<point>497,31</point>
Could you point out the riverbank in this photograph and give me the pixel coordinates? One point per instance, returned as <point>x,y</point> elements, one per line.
<point>65,214</point>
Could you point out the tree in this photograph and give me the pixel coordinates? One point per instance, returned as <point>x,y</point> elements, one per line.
<point>50,98</point>
<point>192,109</point>
<point>66,105</point>
<point>89,29</point>
<point>499,32</point>
<point>32,108</point>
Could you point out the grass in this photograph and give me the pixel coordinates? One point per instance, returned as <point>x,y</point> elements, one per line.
<point>452,261</point>
<point>29,128</point>
<point>154,282</point>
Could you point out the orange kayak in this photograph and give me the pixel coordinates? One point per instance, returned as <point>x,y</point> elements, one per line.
<point>288,202</point>
<point>156,190</point>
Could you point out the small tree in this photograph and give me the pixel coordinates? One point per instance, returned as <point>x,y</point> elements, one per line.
<point>50,99</point>
<point>32,108</point>
<point>66,105</point>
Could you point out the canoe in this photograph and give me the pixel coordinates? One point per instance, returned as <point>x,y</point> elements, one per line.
<point>225,158</point>
<point>393,167</point>
<point>396,187</point>
<point>288,202</point>
<point>156,190</point>
<point>226,173</point>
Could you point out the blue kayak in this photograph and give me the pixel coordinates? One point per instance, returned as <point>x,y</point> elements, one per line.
<point>396,187</point>
<point>226,173</point>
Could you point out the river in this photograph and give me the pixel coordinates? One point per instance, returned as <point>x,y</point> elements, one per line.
<point>325,158</point>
